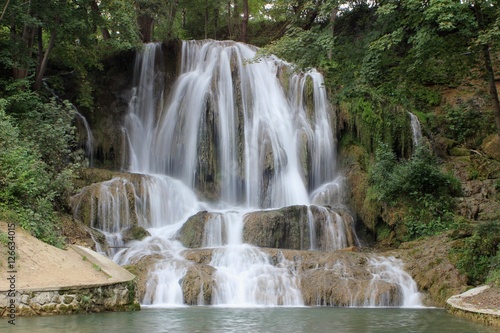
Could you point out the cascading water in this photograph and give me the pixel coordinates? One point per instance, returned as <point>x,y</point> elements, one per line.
<point>229,132</point>
<point>416,129</point>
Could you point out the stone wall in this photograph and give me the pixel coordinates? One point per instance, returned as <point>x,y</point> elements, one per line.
<point>71,300</point>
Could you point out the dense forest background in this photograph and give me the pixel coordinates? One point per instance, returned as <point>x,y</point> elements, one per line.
<point>381,59</point>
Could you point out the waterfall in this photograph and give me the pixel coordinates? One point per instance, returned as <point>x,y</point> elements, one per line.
<point>390,270</point>
<point>89,142</point>
<point>231,138</point>
<point>416,129</point>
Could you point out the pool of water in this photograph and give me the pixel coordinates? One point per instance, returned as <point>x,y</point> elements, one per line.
<point>283,320</point>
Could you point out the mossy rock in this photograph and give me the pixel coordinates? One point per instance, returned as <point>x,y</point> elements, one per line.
<point>458,151</point>
<point>192,232</point>
<point>134,233</point>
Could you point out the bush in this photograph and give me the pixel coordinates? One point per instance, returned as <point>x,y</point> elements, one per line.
<point>25,197</point>
<point>416,186</point>
<point>36,161</point>
<point>467,122</point>
<point>479,255</point>
<point>494,274</point>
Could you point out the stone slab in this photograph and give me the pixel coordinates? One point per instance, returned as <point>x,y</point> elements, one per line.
<point>458,302</point>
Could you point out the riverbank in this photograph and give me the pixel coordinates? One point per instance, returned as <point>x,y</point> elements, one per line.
<point>480,304</point>
<point>39,279</point>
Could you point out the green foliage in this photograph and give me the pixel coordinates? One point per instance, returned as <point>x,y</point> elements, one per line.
<point>37,161</point>
<point>4,238</point>
<point>418,187</point>
<point>305,48</point>
<point>467,121</point>
<point>479,255</point>
<point>375,118</point>
<point>494,273</point>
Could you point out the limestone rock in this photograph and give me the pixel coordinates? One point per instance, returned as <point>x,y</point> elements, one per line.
<point>197,285</point>
<point>491,146</point>
<point>134,233</point>
<point>99,205</point>
<point>285,228</point>
<point>192,233</point>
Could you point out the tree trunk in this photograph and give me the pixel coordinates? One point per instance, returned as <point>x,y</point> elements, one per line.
<point>333,18</point>
<point>229,28</point>
<point>20,70</point>
<point>43,65</point>
<point>490,76</point>
<point>40,48</point>
<point>216,20</point>
<point>145,23</point>
<point>173,12</point>
<point>104,31</point>
<point>206,19</point>
<point>244,23</point>
<point>4,9</point>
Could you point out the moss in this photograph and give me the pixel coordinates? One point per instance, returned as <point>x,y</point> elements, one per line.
<point>457,151</point>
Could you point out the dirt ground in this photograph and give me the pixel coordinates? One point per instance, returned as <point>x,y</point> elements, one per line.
<point>39,265</point>
<point>488,299</point>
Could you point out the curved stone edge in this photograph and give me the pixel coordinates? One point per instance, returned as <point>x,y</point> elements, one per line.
<point>118,293</point>
<point>115,273</point>
<point>458,306</point>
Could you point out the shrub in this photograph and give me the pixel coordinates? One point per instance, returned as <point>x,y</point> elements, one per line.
<point>37,161</point>
<point>479,256</point>
<point>418,187</point>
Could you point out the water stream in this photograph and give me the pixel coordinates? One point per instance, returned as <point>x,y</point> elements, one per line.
<point>416,129</point>
<point>232,137</point>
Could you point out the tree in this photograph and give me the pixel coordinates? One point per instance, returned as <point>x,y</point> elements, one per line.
<point>244,22</point>
<point>37,27</point>
<point>433,38</point>
<point>488,34</point>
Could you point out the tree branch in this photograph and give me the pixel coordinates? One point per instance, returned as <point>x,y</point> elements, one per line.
<point>4,9</point>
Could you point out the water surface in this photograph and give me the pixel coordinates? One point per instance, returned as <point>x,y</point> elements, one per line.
<point>254,320</point>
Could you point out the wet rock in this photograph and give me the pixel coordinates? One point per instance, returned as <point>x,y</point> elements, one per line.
<point>197,285</point>
<point>293,227</point>
<point>134,233</point>
<point>141,268</point>
<point>299,228</point>
<point>285,228</point>
<point>99,205</point>
<point>199,256</point>
<point>192,233</point>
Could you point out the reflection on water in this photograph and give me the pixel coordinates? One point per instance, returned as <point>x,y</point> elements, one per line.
<point>254,320</point>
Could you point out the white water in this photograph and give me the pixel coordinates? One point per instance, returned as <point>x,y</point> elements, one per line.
<point>231,121</point>
<point>416,129</point>
<point>390,270</point>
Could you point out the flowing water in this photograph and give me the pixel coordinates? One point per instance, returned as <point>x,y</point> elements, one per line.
<point>233,136</point>
<point>416,129</point>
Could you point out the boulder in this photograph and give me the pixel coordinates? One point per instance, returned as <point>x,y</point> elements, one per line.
<point>197,285</point>
<point>300,228</point>
<point>134,233</point>
<point>192,233</point>
<point>109,205</point>
<point>491,146</point>
<point>293,227</point>
<point>284,228</point>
